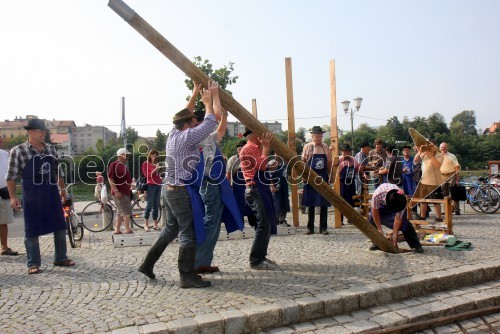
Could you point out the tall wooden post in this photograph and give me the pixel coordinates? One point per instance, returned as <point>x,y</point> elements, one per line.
<point>238,111</point>
<point>334,138</point>
<point>291,138</point>
<point>254,108</point>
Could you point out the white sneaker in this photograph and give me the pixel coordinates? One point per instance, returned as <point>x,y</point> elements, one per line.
<point>264,265</point>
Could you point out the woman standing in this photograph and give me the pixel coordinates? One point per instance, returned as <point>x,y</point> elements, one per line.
<point>151,170</point>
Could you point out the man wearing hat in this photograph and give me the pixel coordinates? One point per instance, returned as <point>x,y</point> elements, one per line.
<point>317,156</point>
<point>348,169</point>
<point>35,163</point>
<point>389,209</point>
<point>183,203</point>
<point>237,181</point>
<point>408,172</point>
<point>254,156</point>
<point>376,160</point>
<point>120,182</point>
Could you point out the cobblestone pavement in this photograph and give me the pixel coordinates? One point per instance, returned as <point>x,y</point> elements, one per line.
<point>319,276</point>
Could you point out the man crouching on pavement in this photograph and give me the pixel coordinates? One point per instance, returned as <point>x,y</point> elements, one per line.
<point>389,209</point>
<point>182,150</point>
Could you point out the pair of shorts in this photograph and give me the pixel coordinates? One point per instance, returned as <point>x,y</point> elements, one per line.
<point>6,214</point>
<point>123,205</point>
<point>428,192</point>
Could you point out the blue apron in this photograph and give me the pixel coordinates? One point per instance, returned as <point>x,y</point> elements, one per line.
<point>239,194</point>
<point>408,183</point>
<point>281,197</point>
<point>262,182</point>
<point>387,219</point>
<point>347,184</point>
<point>310,196</point>
<point>231,215</point>
<point>42,205</point>
<point>193,185</point>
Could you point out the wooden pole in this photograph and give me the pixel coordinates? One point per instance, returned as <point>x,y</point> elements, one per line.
<point>254,108</point>
<point>334,138</point>
<point>238,111</point>
<point>291,138</point>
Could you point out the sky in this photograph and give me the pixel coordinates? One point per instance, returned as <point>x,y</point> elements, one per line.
<point>76,59</point>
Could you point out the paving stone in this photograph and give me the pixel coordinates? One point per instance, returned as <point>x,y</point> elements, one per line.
<point>389,319</point>
<point>361,326</point>
<point>235,321</point>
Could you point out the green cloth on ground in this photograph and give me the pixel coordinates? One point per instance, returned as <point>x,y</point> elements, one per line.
<point>454,244</point>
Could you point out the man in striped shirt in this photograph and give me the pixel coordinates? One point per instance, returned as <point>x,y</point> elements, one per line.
<point>388,208</point>
<point>182,156</point>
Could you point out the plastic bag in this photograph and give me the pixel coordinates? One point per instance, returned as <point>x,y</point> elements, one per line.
<point>104,194</point>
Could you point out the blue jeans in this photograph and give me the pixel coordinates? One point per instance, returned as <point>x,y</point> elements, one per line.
<point>33,249</point>
<point>212,198</point>
<point>263,229</point>
<point>179,218</point>
<point>153,201</point>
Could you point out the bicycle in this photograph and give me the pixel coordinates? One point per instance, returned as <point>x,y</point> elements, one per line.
<point>74,226</point>
<point>97,217</point>
<point>482,196</point>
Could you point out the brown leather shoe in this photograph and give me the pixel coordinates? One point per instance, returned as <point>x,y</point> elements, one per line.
<point>207,269</point>
<point>309,232</point>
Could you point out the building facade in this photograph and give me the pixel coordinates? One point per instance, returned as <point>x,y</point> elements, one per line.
<point>85,137</point>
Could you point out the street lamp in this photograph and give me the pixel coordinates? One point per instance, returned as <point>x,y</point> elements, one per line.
<point>345,106</point>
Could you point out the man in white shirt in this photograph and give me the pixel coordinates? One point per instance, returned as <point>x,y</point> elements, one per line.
<point>454,180</point>
<point>6,216</point>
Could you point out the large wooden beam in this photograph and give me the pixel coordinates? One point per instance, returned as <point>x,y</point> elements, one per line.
<point>334,139</point>
<point>245,117</point>
<point>292,138</point>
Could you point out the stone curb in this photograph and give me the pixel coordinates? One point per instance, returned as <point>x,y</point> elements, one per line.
<point>266,316</point>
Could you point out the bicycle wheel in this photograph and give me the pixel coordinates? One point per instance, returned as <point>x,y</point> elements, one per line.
<point>71,235</point>
<point>137,216</point>
<point>77,227</point>
<point>97,217</point>
<point>489,202</point>
<point>473,200</point>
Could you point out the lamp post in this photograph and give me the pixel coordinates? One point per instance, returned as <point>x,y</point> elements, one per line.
<point>357,105</point>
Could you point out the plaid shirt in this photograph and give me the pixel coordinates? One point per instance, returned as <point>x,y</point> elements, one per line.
<point>20,156</point>
<point>378,197</point>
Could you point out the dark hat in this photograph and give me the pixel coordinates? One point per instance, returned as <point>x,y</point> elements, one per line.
<point>317,130</point>
<point>363,144</point>
<point>241,143</point>
<point>395,200</point>
<point>183,115</point>
<point>200,115</point>
<point>346,147</point>
<point>247,132</point>
<point>406,146</point>
<point>36,124</point>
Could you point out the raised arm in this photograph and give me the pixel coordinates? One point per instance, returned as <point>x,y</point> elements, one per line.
<point>194,95</point>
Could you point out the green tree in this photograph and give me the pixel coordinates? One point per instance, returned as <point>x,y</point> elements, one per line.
<point>222,76</point>
<point>468,119</point>
<point>14,141</point>
<point>160,141</point>
<point>437,125</point>
<point>132,135</point>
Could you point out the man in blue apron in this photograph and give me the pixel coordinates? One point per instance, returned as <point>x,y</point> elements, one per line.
<point>183,207</point>
<point>317,156</point>
<point>348,169</point>
<point>36,163</point>
<point>216,193</point>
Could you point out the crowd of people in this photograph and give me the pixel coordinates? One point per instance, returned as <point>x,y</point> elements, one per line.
<point>201,190</point>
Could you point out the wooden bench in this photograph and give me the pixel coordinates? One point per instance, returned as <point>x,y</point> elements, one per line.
<point>363,201</point>
<point>447,202</point>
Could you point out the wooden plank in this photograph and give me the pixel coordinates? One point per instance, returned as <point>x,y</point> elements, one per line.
<point>254,108</point>
<point>238,111</point>
<point>292,145</point>
<point>334,139</point>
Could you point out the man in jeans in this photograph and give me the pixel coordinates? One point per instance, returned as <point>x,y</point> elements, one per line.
<point>258,196</point>
<point>183,153</point>
<point>35,163</point>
